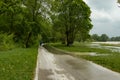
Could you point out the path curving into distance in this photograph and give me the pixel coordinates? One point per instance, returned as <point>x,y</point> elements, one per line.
<point>66,67</point>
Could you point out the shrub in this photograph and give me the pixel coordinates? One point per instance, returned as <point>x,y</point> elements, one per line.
<point>6,41</point>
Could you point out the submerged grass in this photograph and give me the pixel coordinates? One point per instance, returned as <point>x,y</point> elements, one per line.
<point>116,45</point>
<point>18,64</point>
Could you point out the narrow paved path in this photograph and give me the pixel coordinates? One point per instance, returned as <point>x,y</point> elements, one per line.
<point>66,67</point>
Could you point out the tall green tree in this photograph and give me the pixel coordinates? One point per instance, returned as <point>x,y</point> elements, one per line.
<point>96,37</point>
<point>32,17</point>
<point>72,16</point>
<point>22,18</point>
<point>104,37</point>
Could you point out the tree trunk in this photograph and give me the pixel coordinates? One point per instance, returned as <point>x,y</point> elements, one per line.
<point>28,39</point>
<point>67,36</point>
<point>70,38</point>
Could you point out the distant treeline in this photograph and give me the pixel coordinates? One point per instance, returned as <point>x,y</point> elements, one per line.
<point>104,37</point>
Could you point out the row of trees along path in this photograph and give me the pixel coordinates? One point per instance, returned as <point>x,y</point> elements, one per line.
<point>49,20</point>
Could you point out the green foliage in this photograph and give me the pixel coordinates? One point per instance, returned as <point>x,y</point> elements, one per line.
<point>22,19</point>
<point>18,64</point>
<point>71,17</point>
<point>6,41</point>
<point>117,38</point>
<point>103,37</point>
<point>46,32</point>
<point>95,37</point>
<point>52,20</point>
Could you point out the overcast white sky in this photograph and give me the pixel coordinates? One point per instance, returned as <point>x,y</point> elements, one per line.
<point>105,17</point>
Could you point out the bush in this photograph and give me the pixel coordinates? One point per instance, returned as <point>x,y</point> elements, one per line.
<point>6,41</point>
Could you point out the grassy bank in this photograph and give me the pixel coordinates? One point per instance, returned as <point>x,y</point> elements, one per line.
<point>18,64</point>
<point>80,47</point>
<point>110,61</point>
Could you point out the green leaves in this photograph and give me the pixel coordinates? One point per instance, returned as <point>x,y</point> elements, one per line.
<point>73,17</point>
<point>18,20</point>
<point>27,19</point>
<point>6,41</point>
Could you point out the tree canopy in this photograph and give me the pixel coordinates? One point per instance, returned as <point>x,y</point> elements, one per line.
<point>71,17</point>
<point>50,20</point>
<point>23,19</point>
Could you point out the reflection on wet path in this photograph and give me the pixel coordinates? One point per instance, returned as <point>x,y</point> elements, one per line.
<point>49,69</point>
<point>66,67</point>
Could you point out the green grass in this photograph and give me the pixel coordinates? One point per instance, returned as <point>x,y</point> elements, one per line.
<point>18,64</point>
<point>111,61</point>
<point>81,47</point>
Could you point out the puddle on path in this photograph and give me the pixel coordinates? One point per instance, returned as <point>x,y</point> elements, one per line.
<point>66,67</point>
<point>48,68</point>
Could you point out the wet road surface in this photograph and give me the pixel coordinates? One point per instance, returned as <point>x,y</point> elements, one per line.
<point>66,67</point>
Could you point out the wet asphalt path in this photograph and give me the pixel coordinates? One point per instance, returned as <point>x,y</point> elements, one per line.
<point>66,67</point>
